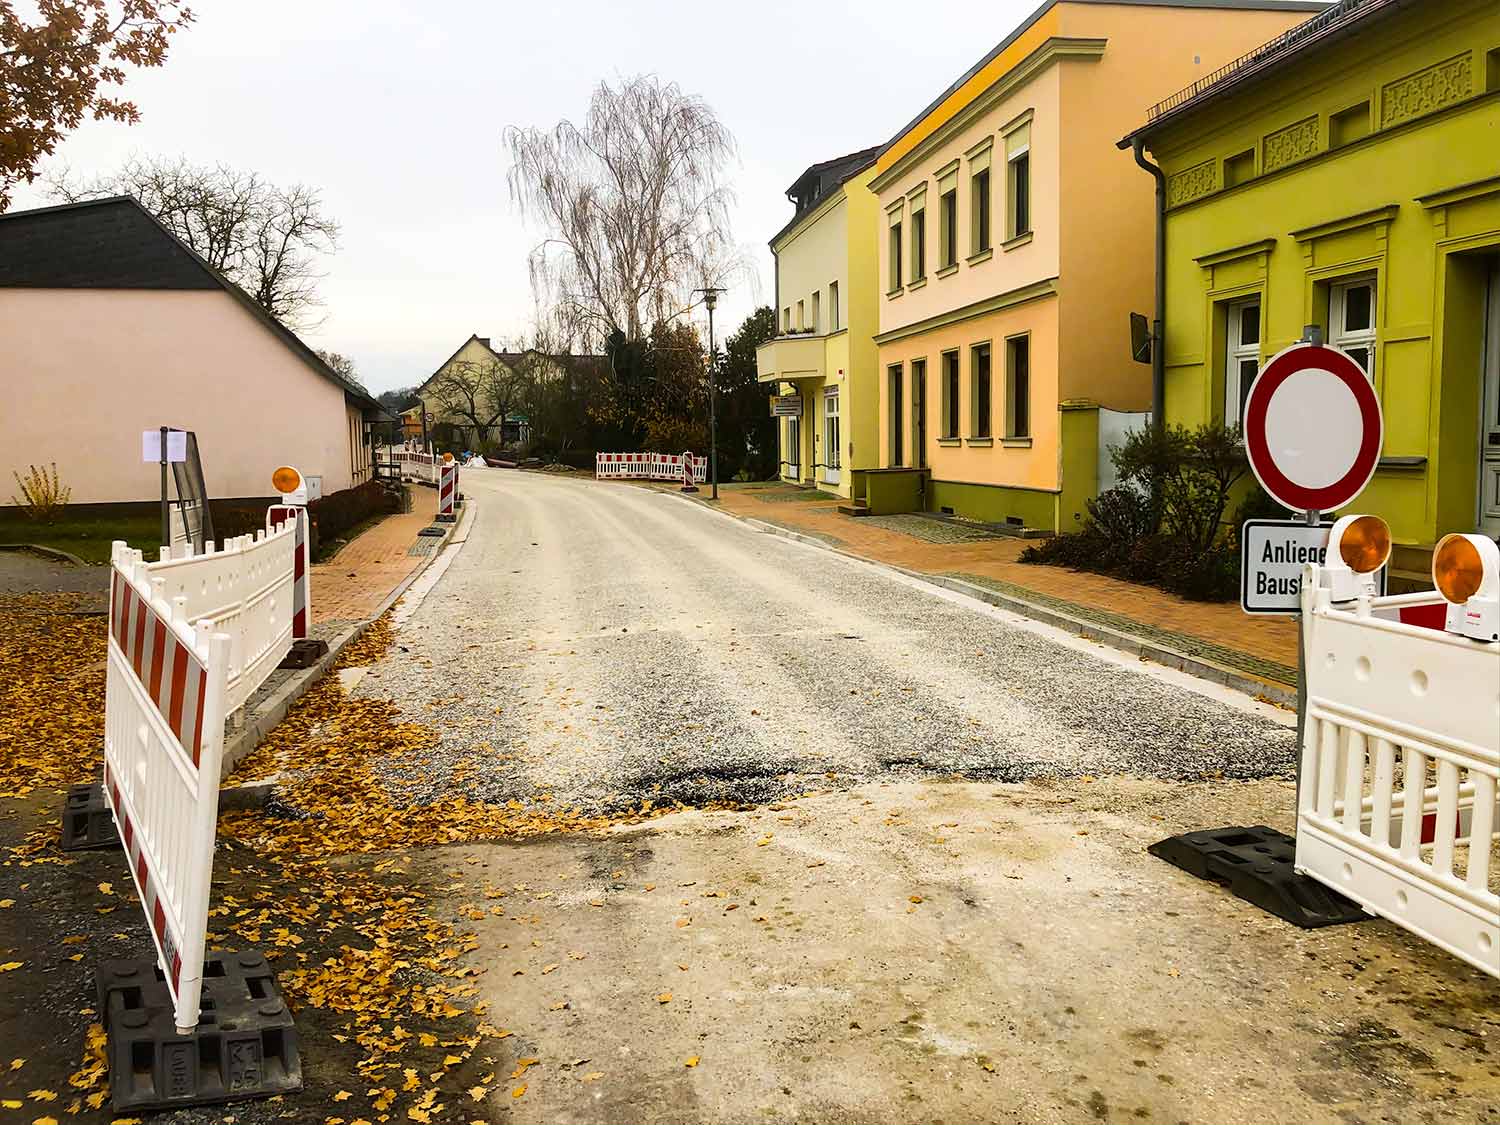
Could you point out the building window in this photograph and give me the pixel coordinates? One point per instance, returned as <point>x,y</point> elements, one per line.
<point>817,311</point>
<point>919,413</point>
<point>948,224</point>
<point>979,187</point>
<point>1351,320</point>
<point>950,394</point>
<point>1020,194</point>
<point>1018,387</point>
<point>979,366</point>
<point>833,306</point>
<point>1349,125</point>
<point>895,257</point>
<point>786,320</point>
<point>1239,168</point>
<point>897,412</point>
<point>1242,330</point>
<point>801,324</point>
<point>919,244</point>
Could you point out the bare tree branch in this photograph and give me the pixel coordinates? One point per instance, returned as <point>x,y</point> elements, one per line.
<point>268,240</point>
<point>635,204</point>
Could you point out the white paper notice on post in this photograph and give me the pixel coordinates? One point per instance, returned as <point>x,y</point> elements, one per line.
<point>151,445</point>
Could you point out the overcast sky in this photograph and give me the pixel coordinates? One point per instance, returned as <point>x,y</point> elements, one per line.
<point>395,112</point>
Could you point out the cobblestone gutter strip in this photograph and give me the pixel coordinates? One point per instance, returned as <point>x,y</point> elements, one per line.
<point>262,715</point>
<point>1125,634</point>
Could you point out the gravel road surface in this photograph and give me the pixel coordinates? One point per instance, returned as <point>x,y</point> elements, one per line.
<point>609,644</point>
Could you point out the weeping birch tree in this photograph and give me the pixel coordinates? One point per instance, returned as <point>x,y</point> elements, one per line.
<point>635,205</point>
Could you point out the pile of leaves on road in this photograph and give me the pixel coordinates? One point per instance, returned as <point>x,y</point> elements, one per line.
<point>51,694</point>
<point>362,959</point>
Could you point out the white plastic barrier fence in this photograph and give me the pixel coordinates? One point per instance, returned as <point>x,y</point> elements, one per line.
<point>418,464</point>
<point>447,488</point>
<point>648,466</point>
<point>246,587</point>
<point>165,701</point>
<point>276,516</point>
<point>1400,769</point>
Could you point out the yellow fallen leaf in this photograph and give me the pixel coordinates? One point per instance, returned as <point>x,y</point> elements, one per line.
<point>915,898</point>
<point>421,1116</point>
<point>549,969</point>
<point>106,888</point>
<point>592,1076</point>
<point>691,1060</point>
<point>518,1091</point>
<point>44,1121</point>
<point>478,1092</point>
<point>664,998</point>
<point>427,1039</point>
<point>17,1064</point>
<point>451,1060</point>
<point>7,903</point>
<point>521,1065</point>
<point>342,1096</point>
<point>9,965</point>
<point>41,1095</point>
<point>11,1103</point>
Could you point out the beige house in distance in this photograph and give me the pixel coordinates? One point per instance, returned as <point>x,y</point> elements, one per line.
<point>111,326</point>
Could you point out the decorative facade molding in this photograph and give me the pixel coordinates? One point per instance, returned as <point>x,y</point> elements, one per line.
<point>1295,142</point>
<point>1441,84</point>
<point>1192,182</point>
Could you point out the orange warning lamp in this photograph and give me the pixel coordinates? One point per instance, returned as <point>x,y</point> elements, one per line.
<point>1358,546</point>
<point>1466,571</point>
<point>291,484</point>
<point>447,458</point>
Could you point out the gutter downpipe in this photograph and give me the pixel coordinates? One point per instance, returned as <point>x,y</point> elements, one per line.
<point>1158,335</point>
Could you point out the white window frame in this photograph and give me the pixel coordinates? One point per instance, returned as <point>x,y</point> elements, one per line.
<point>794,447</point>
<point>1339,334</point>
<point>1236,352</point>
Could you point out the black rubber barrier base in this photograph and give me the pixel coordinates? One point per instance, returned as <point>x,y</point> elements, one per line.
<point>304,653</point>
<point>444,519</point>
<point>1257,864</point>
<point>86,820</point>
<point>245,1045</point>
<point>432,531</point>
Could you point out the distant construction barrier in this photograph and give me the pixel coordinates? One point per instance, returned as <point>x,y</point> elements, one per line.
<point>1400,767</point>
<point>417,464</point>
<point>648,466</point>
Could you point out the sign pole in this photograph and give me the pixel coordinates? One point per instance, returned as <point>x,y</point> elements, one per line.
<point>166,522</point>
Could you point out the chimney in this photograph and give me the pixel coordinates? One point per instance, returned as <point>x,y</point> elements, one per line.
<point>485,340</point>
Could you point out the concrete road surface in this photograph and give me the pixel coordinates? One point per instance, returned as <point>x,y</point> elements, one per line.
<point>961,923</point>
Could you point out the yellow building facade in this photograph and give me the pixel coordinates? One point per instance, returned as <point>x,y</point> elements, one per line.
<point>821,364</point>
<point>1348,179</point>
<point>1014,241</point>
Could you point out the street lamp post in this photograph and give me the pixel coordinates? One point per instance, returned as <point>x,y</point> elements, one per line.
<point>710,299</point>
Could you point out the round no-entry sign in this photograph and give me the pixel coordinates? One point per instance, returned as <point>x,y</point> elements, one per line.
<point>1313,428</point>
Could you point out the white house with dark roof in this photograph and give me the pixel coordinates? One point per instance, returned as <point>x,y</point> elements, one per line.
<point>110,325</point>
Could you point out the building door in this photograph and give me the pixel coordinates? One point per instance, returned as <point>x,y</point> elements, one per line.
<point>794,448</point>
<point>831,459</point>
<point>1489,434</point>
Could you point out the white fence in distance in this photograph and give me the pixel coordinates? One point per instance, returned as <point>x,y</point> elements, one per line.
<point>245,586</point>
<point>165,702</point>
<point>1400,769</point>
<point>647,466</point>
<point>418,464</point>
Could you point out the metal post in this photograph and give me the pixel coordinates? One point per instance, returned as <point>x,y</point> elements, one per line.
<point>713,410</point>
<point>166,520</point>
<point>1311,334</point>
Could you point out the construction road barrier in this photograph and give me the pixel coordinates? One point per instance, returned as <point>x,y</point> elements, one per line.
<point>650,466</point>
<point>166,695</point>
<point>447,489</point>
<point>278,515</point>
<point>1397,807</point>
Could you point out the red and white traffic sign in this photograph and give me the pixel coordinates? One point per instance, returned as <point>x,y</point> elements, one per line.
<point>1313,428</point>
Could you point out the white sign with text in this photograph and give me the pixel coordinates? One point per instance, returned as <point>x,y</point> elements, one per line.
<point>1273,553</point>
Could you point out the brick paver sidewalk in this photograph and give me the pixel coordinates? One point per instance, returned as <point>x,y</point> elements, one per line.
<point>1265,647</point>
<point>354,584</point>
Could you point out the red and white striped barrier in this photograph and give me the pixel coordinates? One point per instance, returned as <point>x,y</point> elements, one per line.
<point>447,488</point>
<point>650,466</point>
<point>166,688</point>
<point>276,516</point>
<point>1399,796</point>
<point>247,586</point>
<point>418,464</point>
